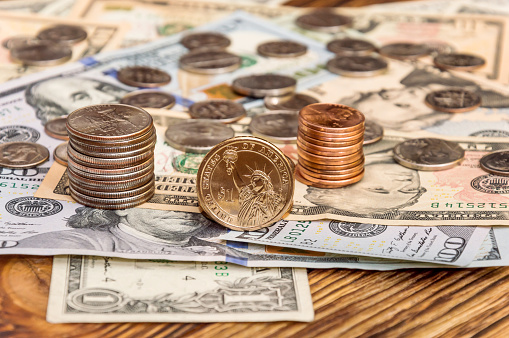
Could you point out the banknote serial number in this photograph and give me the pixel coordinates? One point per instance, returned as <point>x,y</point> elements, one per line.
<point>469,205</point>
<point>297,232</point>
<point>18,185</point>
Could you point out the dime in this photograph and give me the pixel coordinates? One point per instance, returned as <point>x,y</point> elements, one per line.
<point>279,126</point>
<point>41,54</point>
<point>351,47</point>
<point>205,40</point>
<point>60,154</point>
<point>326,184</point>
<point>428,154</point>
<point>245,183</point>
<point>68,34</point>
<point>22,155</point>
<point>209,62</point>
<point>404,50</point>
<point>141,76</point>
<point>264,85</point>
<point>289,102</point>
<point>149,99</point>
<point>373,132</point>
<point>109,122</point>
<point>458,61</point>
<point>323,21</point>
<point>496,163</point>
<point>224,111</point>
<point>282,49</point>
<point>357,66</point>
<point>114,193</point>
<point>19,40</point>
<point>197,136</point>
<point>332,118</point>
<point>111,203</point>
<point>56,128</point>
<point>456,100</point>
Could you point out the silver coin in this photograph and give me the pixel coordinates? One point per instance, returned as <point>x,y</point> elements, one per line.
<point>22,155</point>
<point>209,62</point>
<point>41,54</point>
<point>458,61</point>
<point>349,47</point>
<point>19,40</point>
<point>430,154</point>
<point>282,49</point>
<point>279,126</point>
<point>149,99</point>
<point>373,132</point>
<point>60,154</point>
<point>205,40</point>
<point>224,111</point>
<point>404,50</point>
<point>323,21</point>
<point>264,85</point>
<point>455,100</point>
<point>197,136</point>
<point>68,34</point>
<point>357,66</point>
<point>496,163</point>
<point>289,102</point>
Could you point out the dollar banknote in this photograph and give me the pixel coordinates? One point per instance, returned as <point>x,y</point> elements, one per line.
<point>53,8</point>
<point>87,289</point>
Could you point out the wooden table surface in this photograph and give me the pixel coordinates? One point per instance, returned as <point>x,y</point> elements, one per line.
<point>347,303</point>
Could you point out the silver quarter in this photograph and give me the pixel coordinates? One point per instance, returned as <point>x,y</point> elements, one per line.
<point>282,49</point>
<point>224,111</point>
<point>60,154</point>
<point>41,54</point>
<point>197,136</point>
<point>458,61</point>
<point>323,21</point>
<point>56,128</point>
<point>17,41</point>
<point>149,99</point>
<point>404,50</point>
<point>142,76</point>
<point>279,126</point>
<point>264,85</point>
<point>496,163</point>
<point>373,132</point>
<point>68,34</point>
<point>430,154</point>
<point>209,62</point>
<point>350,47</point>
<point>357,66</point>
<point>456,100</point>
<point>22,155</point>
<point>205,40</point>
<point>289,102</point>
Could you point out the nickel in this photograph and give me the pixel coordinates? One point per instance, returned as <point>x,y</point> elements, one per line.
<point>60,154</point>
<point>289,102</point>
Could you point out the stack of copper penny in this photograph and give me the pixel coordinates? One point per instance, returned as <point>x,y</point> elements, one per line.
<point>329,145</point>
<point>111,156</point>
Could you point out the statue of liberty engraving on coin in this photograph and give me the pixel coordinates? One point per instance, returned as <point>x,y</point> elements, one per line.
<point>245,183</point>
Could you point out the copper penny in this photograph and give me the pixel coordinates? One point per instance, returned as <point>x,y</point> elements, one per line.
<point>328,167</point>
<point>325,184</point>
<point>328,135</point>
<point>145,77</point>
<point>330,160</point>
<point>330,151</point>
<point>317,172</point>
<point>60,154</point>
<point>56,128</point>
<point>310,175</point>
<point>22,155</point>
<point>332,144</point>
<point>332,118</point>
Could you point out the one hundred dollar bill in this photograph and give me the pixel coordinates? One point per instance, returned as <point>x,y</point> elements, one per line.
<point>87,289</point>
<point>53,8</point>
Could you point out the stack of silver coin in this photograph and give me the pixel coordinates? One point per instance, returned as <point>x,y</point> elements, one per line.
<point>111,156</point>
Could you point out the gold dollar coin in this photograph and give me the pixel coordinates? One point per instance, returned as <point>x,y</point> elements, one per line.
<point>245,183</point>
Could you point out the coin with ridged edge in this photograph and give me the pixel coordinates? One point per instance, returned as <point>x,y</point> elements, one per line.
<point>22,155</point>
<point>496,163</point>
<point>144,77</point>
<point>209,62</point>
<point>109,186</point>
<point>111,203</point>
<point>282,49</point>
<point>56,128</point>
<point>149,99</point>
<point>279,126</point>
<point>323,21</point>
<point>205,40</point>
<point>245,183</point>
<point>41,54</point>
<point>349,46</point>
<point>68,34</point>
<point>111,154</point>
<point>431,154</point>
<point>224,111</point>
<point>133,192</point>
<point>108,163</point>
<point>264,85</point>
<point>197,136</point>
<point>125,177</point>
<point>60,154</point>
<point>113,171</point>
<point>102,148</point>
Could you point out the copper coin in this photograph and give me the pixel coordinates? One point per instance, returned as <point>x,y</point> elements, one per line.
<point>56,128</point>
<point>310,175</point>
<point>119,193</point>
<point>332,144</point>
<point>224,111</point>
<point>60,154</point>
<point>68,34</point>
<point>109,122</point>
<point>325,184</point>
<point>349,46</point>
<point>149,99</point>
<point>111,203</point>
<point>357,66</point>
<point>119,145</point>
<point>141,76</point>
<point>205,40</point>
<point>41,54</point>
<point>282,49</point>
<point>264,85</point>
<point>373,132</point>
<point>289,102</point>
<point>332,118</point>
<point>317,172</point>
<point>279,126</point>
<point>328,151</point>
<point>108,163</point>
<point>327,167</point>
<point>323,21</point>
<point>22,155</point>
<point>404,50</point>
<point>455,100</point>
<point>209,62</point>
<point>113,177</point>
<point>496,163</point>
<point>113,154</point>
<point>330,160</point>
<point>110,172</point>
<point>459,61</point>
<point>330,137</point>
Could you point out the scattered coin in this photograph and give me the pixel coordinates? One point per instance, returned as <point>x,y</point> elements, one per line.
<point>428,154</point>
<point>209,62</point>
<point>282,49</point>
<point>323,21</point>
<point>141,76</point>
<point>373,132</point>
<point>60,154</point>
<point>224,111</point>
<point>197,136</point>
<point>205,40</point>
<point>264,85</point>
<point>279,126</point>
<point>350,47</point>
<point>149,99</point>
<point>456,100</point>
<point>56,128</point>
<point>289,102</point>
<point>68,34</point>
<point>243,188</point>
<point>19,40</point>
<point>41,54</point>
<point>496,163</point>
<point>357,66</point>
<point>404,50</point>
<point>458,61</point>
<point>22,155</point>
